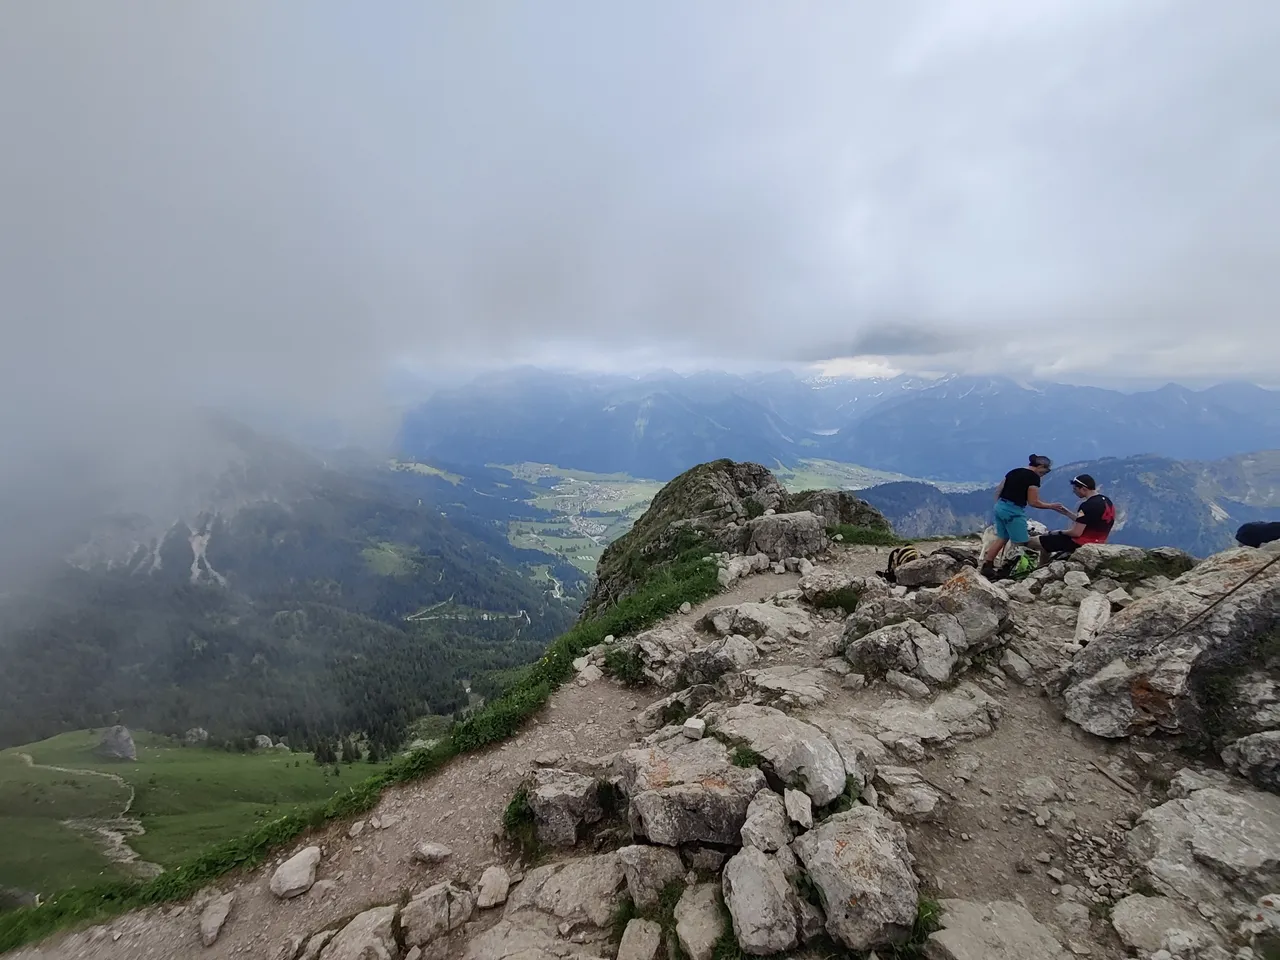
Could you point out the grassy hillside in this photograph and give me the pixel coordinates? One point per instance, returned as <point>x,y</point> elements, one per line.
<point>186,798</point>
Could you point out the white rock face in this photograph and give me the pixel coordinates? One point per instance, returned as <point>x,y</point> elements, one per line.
<point>1000,930</point>
<point>295,876</point>
<point>758,896</point>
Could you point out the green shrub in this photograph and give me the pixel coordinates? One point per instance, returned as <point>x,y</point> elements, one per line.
<point>754,508</point>
<point>745,757</point>
<point>624,664</point>
<point>866,536</point>
<point>519,826</point>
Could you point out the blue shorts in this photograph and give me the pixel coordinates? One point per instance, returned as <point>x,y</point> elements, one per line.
<point>1011,522</point>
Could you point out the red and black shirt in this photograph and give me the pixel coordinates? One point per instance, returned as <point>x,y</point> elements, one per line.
<point>1098,514</point>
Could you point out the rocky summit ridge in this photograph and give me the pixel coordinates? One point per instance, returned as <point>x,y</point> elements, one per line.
<point>819,763</point>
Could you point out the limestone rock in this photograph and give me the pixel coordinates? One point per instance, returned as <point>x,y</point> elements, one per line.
<point>495,884</point>
<point>858,749</point>
<point>695,728</point>
<point>723,655</point>
<point>787,686</point>
<point>1095,611</point>
<point>878,610</point>
<point>295,876</point>
<point>1142,922</point>
<point>435,913</point>
<point>1038,791</point>
<point>1148,667</point>
<point>799,808</point>
<point>800,534</point>
<point>196,736</point>
<point>214,916</point>
<point>930,571</point>
<point>860,864</point>
<point>431,853</point>
<point>756,620</point>
<point>837,507</point>
<point>370,936</point>
<point>907,647</point>
<point>1256,758</point>
<point>1000,930</point>
<point>585,890</point>
<point>758,896</point>
<point>562,802</point>
<point>263,742</point>
<point>1211,846</point>
<point>699,921</point>
<point>916,689</point>
<point>648,870</point>
<point>679,704</point>
<point>907,795</point>
<point>979,606</point>
<point>688,793</point>
<point>1015,664</point>
<point>315,943</point>
<point>1094,555</point>
<point>641,940</point>
<point>766,824</point>
<point>117,744</point>
<point>797,751</point>
<point>962,713</point>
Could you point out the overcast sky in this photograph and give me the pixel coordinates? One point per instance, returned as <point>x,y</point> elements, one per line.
<point>280,200</point>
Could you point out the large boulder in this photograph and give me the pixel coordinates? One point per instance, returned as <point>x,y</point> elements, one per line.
<point>799,753</point>
<point>688,793</point>
<point>837,507</point>
<point>723,655</point>
<point>906,646</point>
<point>757,620</point>
<point>1256,758</point>
<point>1000,930</point>
<point>1170,662</point>
<point>766,827</point>
<point>784,535</point>
<point>583,891</point>
<point>1213,845</point>
<point>435,913</point>
<point>859,862</point>
<point>759,899</point>
<point>117,744</point>
<point>710,504</point>
<point>296,875</point>
<point>978,606</point>
<point>649,870</point>
<point>932,570</point>
<point>369,936</point>
<point>562,802</point>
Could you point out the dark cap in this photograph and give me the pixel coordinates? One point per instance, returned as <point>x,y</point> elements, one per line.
<point>1086,481</point>
<point>1036,460</point>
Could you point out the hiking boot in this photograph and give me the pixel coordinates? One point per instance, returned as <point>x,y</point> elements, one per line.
<point>988,570</point>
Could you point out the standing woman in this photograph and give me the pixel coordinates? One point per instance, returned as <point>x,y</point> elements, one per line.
<point>1019,489</point>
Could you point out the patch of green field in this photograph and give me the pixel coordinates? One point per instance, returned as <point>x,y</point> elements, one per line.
<point>387,559</point>
<point>824,474</point>
<point>558,538</point>
<point>411,466</point>
<point>187,799</point>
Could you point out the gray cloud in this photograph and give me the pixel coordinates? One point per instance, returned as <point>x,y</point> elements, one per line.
<point>281,203</point>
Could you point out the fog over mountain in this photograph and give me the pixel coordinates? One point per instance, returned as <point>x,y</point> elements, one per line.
<point>288,211</point>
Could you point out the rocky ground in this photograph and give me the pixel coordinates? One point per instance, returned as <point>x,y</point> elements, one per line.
<point>794,780</point>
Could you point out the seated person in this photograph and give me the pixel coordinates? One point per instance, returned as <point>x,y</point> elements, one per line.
<point>1094,520</point>
<point>1257,533</point>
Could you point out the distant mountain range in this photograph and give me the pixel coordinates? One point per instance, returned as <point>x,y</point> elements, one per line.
<point>1196,506</point>
<point>289,597</point>
<point>953,428</point>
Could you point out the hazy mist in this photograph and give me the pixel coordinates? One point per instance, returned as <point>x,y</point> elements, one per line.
<point>278,205</point>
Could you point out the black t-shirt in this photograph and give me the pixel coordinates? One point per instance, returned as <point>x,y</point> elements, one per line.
<point>1017,483</point>
<point>1098,514</point>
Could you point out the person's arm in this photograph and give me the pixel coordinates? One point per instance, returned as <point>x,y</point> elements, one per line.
<point>1033,500</point>
<point>1075,529</point>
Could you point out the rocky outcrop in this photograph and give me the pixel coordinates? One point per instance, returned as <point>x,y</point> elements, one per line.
<point>929,571</point>
<point>648,870</point>
<point>797,752</point>
<point>562,803</point>
<point>1256,758</point>
<point>862,869</point>
<point>1169,663</point>
<point>711,503</point>
<point>689,792</point>
<point>1215,845</point>
<point>435,913</point>
<point>117,744</point>
<point>837,507</point>
<point>370,936</point>
<point>1000,930</point>
<point>786,535</point>
<point>766,825</point>
<point>755,620</point>
<point>759,899</point>
<point>907,647</point>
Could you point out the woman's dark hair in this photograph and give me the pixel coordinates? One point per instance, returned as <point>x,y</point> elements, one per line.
<point>1036,460</point>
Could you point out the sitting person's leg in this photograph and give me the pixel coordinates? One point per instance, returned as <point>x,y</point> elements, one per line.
<point>1051,543</point>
